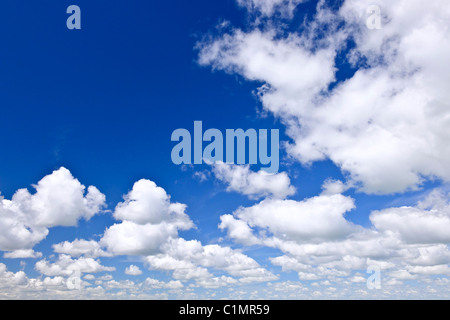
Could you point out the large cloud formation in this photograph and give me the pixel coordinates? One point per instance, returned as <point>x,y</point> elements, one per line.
<point>381,94</point>
<point>150,228</point>
<point>318,242</point>
<point>147,228</point>
<point>389,119</point>
<point>59,200</point>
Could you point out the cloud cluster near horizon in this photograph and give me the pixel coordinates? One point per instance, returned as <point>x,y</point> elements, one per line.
<point>315,238</point>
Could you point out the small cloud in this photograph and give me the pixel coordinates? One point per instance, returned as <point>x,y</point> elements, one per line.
<point>254,185</point>
<point>22,254</point>
<point>202,175</point>
<point>133,270</point>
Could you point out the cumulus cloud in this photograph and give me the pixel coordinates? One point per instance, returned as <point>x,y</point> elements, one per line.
<point>59,200</point>
<point>315,219</point>
<point>66,266</point>
<point>253,184</point>
<point>417,224</point>
<point>318,242</point>
<point>145,203</point>
<point>149,220</point>
<point>22,254</point>
<point>150,227</point>
<point>331,187</point>
<point>388,120</point>
<point>11,279</point>
<point>238,230</point>
<point>192,260</point>
<point>129,238</point>
<point>133,270</point>
<point>157,284</point>
<point>78,248</point>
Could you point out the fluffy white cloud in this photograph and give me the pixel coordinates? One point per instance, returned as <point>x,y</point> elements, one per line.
<point>331,187</point>
<point>66,266</point>
<point>253,184</point>
<point>191,260</point>
<point>388,121</point>
<point>78,248</point>
<point>11,279</point>
<point>418,224</point>
<point>17,232</point>
<point>149,221</point>
<point>157,284</point>
<point>145,203</point>
<point>238,230</point>
<point>59,200</point>
<point>129,238</point>
<point>133,270</point>
<point>150,226</point>
<point>216,282</point>
<point>314,219</point>
<point>410,241</point>
<point>293,74</point>
<point>22,254</point>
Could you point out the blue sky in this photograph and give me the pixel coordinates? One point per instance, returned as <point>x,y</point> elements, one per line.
<point>363,176</point>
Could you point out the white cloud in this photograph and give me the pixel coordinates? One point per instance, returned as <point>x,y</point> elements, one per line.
<point>238,230</point>
<point>129,238</point>
<point>406,240</point>
<point>253,184</point>
<point>54,282</point>
<point>166,262</point>
<point>89,277</point>
<point>331,187</point>
<point>415,224</point>
<point>59,200</point>
<point>388,122</point>
<point>293,74</point>
<point>66,266</point>
<point>17,231</point>
<point>157,284</point>
<point>430,270</point>
<point>316,219</point>
<point>145,203</point>
<point>149,221</point>
<point>192,260</point>
<point>386,127</point>
<point>78,248</point>
<point>216,282</point>
<point>11,279</point>
<point>153,232</point>
<point>133,270</point>
<point>22,254</point>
